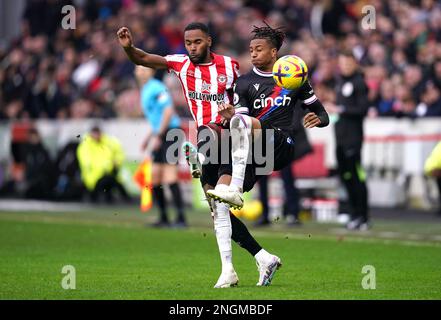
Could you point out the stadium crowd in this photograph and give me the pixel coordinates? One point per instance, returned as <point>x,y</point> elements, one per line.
<point>50,72</point>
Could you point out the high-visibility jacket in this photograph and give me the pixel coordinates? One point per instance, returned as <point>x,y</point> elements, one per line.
<point>98,158</point>
<point>433,162</point>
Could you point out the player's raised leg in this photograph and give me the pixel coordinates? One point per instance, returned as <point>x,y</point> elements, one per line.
<point>242,128</point>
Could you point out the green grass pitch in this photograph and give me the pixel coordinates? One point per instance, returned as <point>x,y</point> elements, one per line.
<point>116,257</point>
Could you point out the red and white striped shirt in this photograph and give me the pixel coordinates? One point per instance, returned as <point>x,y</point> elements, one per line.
<point>205,85</point>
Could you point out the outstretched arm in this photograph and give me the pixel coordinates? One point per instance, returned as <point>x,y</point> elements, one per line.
<point>138,56</point>
<point>318,117</point>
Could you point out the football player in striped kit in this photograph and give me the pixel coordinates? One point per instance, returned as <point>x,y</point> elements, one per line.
<point>207,80</point>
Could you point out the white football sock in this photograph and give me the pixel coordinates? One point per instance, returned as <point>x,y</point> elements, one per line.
<point>222,227</point>
<point>262,256</point>
<point>201,158</point>
<point>240,126</point>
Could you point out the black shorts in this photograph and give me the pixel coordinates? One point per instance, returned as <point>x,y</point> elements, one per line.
<point>273,160</point>
<point>208,139</point>
<point>160,155</point>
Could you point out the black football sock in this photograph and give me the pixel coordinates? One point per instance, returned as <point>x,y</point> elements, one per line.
<point>177,199</point>
<point>263,194</point>
<point>242,236</point>
<point>158,193</point>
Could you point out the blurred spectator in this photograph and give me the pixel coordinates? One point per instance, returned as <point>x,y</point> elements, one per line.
<point>39,169</point>
<point>385,106</point>
<point>82,109</point>
<point>413,78</point>
<point>436,72</point>
<point>18,180</point>
<point>430,104</point>
<point>100,157</point>
<point>409,108</point>
<point>69,185</point>
<point>49,69</point>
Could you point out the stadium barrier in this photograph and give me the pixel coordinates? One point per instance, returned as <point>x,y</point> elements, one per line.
<point>393,154</point>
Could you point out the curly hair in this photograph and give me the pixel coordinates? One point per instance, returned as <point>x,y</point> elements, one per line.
<point>275,36</point>
<point>197,26</point>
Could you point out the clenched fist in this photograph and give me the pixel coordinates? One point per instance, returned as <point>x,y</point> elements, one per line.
<point>125,37</point>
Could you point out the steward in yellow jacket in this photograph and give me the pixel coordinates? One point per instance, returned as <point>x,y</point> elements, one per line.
<point>432,168</point>
<point>100,156</point>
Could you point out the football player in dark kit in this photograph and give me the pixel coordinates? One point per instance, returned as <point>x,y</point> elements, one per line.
<point>262,112</point>
<point>259,105</point>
